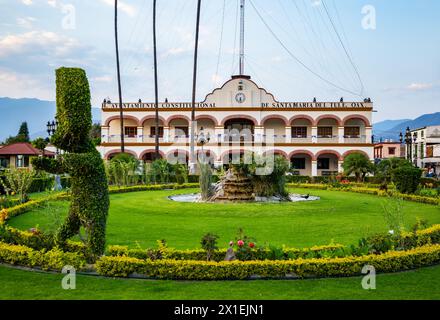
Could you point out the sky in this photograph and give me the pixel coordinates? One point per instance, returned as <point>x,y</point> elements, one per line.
<point>388,50</point>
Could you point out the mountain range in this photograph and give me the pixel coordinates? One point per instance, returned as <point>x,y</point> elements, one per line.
<point>34,111</point>
<point>390,129</point>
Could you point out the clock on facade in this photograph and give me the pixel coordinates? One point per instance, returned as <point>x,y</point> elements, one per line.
<point>240,97</point>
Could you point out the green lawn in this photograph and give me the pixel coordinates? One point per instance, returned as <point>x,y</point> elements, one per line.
<point>142,218</point>
<point>420,284</point>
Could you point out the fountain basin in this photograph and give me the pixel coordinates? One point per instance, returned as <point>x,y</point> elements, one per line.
<point>195,197</point>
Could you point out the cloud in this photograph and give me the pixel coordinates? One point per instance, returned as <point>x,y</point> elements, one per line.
<point>26,22</point>
<point>316,3</point>
<point>36,41</point>
<point>124,7</point>
<point>52,3</point>
<point>27,2</point>
<point>105,78</point>
<point>18,85</point>
<point>420,86</point>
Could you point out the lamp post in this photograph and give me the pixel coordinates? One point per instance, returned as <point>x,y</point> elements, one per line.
<point>407,139</point>
<point>51,129</point>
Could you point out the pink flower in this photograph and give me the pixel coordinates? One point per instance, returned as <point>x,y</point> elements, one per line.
<point>240,243</point>
<point>251,245</point>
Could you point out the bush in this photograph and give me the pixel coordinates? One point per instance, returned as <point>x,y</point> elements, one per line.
<point>202,270</point>
<point>54,259</point>
<point>407,179</point>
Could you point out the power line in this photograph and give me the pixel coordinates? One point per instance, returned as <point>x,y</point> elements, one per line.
<point>221,39</point>
<point>297,59</point>
<point>345,49</point>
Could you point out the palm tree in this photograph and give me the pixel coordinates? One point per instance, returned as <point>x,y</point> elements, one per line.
<point>121,111</point>
<point>193,109</point>
<point>156,104</point>
<point>357,164</point>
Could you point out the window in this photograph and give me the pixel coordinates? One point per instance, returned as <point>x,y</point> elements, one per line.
<point>299,132</point>
<point>153,132</point>
<point>182,131</point>
<point>325,132</point>
<point>4,162</point>
<point>422,150</point>
<point>392,151</point>
<point>352,132</point>
<point>324,164</point>
<point>130,132</point>
<point>299,163</point>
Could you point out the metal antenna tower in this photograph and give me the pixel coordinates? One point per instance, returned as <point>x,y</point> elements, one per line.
<point>242,9</point>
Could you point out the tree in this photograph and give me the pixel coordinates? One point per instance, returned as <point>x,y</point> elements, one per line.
<point>384,169</point>
<point>24,131</point>
<point>95,134</point>
<point>40,144</point>
<point>357,164</point>
<point>22,136</point>
<point>81,160</point>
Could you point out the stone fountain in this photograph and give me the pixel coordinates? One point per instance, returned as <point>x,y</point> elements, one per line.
<point>235,186</point>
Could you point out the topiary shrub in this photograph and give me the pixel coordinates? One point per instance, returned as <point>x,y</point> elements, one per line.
<point>83,163</point>
<point>407,179</point>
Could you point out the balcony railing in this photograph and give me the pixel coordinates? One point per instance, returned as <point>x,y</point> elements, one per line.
<point>243,139</point>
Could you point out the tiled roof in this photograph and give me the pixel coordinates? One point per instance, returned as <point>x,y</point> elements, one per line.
<point>22,148</point>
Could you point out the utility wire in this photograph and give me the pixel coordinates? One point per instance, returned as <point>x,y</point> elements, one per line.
<point>345,49</point>
<point>221,39</point>
<point>297,59</point>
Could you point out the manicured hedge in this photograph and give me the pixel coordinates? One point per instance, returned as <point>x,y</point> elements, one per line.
<point>218,255</point>
<point>153,187</point>
<point>392,261</point>
<point>51,260</point>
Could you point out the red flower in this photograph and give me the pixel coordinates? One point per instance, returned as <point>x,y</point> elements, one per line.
<point>251,245</point>
<point>240,243</point>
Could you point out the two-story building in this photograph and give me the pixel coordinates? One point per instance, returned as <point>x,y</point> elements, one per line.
<point>242,117</point>
<point>424,151</point>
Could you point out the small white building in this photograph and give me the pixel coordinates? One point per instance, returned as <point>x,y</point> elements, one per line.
<point>425,149</point>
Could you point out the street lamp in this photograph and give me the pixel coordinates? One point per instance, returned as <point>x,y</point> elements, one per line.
<point>51,129</point>
<point>408,139</point>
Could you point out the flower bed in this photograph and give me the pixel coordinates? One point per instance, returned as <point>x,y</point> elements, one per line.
<point>301,268</point>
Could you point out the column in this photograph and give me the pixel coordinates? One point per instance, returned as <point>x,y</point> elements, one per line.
<point>340,168</point>
<point>368,134</point>
<point>166,134</point>
<point>314,134</point>
<point>105,131</point>
<point>259,133</point>
<point>288,134</point>
<point>218,132</point>
<point>341,132</point>
<point>140,134</point>
<point>314,168</point>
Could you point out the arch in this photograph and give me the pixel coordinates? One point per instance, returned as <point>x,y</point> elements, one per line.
<point>298,152</point>
<point>239,116</point>
<point>333,152</point>
<point>141,157</point>
<point>107,122</point>
<point>213,119</point>
<point>176,117</point>
<point>117,151</point>
<point>233,152</point>
<point>355,151</point>
<point>212,157</point>
<point>180,154</point>
<point>302,116</point>
<point>277,152</point>
<point>328,116</point>
<point>273,117</point>
<point>359,117</point>
<point>151,117</point>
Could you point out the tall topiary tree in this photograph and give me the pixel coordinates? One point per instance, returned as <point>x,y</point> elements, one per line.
<point>89,187</point>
